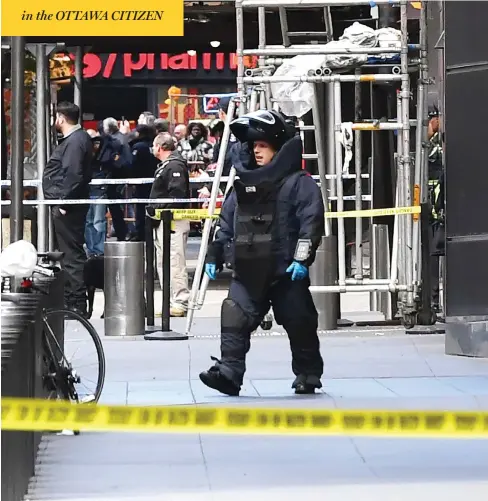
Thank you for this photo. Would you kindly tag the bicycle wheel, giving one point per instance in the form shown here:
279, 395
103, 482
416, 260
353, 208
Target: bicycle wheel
65, 376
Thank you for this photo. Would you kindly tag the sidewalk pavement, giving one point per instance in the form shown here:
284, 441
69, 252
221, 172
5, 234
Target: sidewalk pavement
364, 368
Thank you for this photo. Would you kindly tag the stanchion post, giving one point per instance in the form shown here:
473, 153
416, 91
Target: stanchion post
149, 273
166, 334
166, 285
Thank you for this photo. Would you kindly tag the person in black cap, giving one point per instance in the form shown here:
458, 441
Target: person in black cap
436, 198
272, 221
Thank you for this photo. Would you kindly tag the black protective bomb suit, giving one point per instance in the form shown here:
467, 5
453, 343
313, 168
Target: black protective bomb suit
267, 212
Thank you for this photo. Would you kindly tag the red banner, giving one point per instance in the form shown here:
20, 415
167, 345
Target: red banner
103, 66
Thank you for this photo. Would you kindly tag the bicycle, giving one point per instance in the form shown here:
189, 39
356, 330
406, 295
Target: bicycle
61, 378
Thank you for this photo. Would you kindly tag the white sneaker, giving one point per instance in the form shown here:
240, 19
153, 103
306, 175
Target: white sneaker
175, 311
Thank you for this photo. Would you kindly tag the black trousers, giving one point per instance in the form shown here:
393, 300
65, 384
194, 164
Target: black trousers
437, 249
293, 308
70, 237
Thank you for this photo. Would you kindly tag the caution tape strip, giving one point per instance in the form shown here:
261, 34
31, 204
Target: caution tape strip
190, 214
149, 180
115, 201
198, 214
123, 201
46, 415
374, 212
204, 214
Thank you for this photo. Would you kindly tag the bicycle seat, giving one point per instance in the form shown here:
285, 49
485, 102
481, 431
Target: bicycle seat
51, 256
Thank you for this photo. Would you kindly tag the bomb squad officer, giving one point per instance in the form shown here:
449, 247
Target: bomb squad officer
272, 221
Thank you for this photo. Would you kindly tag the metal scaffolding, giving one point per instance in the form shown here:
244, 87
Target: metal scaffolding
254, 91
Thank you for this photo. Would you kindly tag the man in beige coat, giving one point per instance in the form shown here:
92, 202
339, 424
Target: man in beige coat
171, 180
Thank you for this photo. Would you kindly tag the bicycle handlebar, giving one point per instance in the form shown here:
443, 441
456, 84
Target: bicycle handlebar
55, 257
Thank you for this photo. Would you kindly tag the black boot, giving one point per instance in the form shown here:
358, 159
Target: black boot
306, 385
214, 379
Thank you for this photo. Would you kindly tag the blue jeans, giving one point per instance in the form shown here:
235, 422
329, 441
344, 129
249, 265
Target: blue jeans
96, 228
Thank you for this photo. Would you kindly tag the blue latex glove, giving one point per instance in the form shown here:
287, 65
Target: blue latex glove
211, 271
298, 271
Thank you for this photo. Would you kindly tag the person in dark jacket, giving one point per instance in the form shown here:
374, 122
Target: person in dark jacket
66, 177
172, 180
436, 198
107, 162
272, 222
110, 127
144, 164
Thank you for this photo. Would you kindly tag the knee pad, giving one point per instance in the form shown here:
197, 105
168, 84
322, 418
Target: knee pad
233, 319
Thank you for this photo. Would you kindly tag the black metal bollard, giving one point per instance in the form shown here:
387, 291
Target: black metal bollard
166, 334
166, 285
149, 272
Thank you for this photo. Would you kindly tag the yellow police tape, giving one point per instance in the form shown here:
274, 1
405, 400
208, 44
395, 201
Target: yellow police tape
374, 212
190, 214
44, 415
198, 214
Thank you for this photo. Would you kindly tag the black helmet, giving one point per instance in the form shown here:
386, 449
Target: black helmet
433, 111
263, 125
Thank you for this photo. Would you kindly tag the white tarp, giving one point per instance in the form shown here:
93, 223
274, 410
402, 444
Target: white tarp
295, 98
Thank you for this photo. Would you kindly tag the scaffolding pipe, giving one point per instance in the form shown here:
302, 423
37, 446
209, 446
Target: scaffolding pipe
41, 70
400, 200
421, 141
367, 126
240, 56
341, 238
410, 305
266, 95
395, 242
357, 288
331, 174
262, 99
211, 209
17, 140
321, 79
324, 49
253, 100
206, 280
283, 26
261, 34
329, 27
358, 187
418, 188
